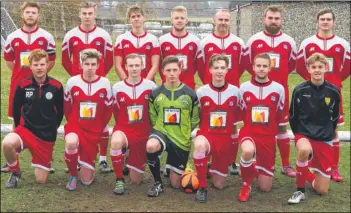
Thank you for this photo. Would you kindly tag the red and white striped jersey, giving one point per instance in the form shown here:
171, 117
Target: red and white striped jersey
230, 45
282, 50
88, 104
219, 108
76, 40
131, 106
185, 48
262, 106
145, 45
18, 46
337, 51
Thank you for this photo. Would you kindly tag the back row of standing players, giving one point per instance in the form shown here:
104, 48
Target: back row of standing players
193, 54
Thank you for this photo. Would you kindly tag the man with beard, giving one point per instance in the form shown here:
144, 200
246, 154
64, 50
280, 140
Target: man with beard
88, 35
182, 44
18, 46
337, 51
221, 41
281, 49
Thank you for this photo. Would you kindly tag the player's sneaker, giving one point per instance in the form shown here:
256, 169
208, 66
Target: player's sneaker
201, 195
335, 176
104, 167
78, 168
288, 171
119, 188
297, 197
72, 183
5, 169
155, 190
233, 169
13, 180
244, 193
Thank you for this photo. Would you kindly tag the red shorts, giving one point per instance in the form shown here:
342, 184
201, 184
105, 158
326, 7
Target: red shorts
265, 148
321, 158
341, 119
220, 146
88, 145
137, 149
41, 150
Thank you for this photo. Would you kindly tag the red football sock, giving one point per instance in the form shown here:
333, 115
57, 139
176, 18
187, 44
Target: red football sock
14, 167
103, 144
234, 146
301, 173
248, 171
336, 153
200, 162
117, 159
71, 158
283, 142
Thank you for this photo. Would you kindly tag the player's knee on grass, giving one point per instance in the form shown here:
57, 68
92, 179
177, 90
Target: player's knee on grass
10, 142
321, 184
86, 175
41, 175
247, 150
304, 149
153, 145
72, 141
200, 144
218, 181
135, 177
265, 182
174, 179
118, 140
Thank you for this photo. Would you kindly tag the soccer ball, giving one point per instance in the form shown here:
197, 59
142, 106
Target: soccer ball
189, 182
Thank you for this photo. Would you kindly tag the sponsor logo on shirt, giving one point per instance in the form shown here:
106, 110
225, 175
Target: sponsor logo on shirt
98, 43
29, 94
306, 95
273, 98
168, 48
235, 48
207, 103
159, 99
210, 49
121, 100
148, 47
75, 43
285, 46
16, 44
184, 100
191, 47
311, 49
231, 103
337, 49
40, 42
260, 46
126, 46
76, 93
101, 95
248, 98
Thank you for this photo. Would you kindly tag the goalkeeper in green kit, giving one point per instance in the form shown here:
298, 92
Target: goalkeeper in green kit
174, 114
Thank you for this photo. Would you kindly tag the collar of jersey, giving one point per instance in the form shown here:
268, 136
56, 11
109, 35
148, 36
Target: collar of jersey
87, 31
172, 34
46, 80
221, 37
223, 88
331, 37
131, 32
270, 35
254, 82
315, 86
181, 85
133, 85
36, 29
81, 76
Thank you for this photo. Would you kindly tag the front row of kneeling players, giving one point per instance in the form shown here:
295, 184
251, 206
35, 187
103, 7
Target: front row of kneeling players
151, 120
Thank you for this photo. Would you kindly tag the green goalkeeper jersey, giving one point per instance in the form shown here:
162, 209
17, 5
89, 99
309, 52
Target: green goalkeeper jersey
175, 113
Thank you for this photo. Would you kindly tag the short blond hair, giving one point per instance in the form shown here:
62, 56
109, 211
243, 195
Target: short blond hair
317, 57
274, 9
171, 59
325, 11
263, 56
87, 4
90, 53
133, 56
180, 9
134, 9
30, 4
218, 57
37, 54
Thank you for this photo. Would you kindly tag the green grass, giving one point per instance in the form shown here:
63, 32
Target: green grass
98, 197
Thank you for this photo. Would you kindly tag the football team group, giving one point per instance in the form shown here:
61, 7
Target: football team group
150, 120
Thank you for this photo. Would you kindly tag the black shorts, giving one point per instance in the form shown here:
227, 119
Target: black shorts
177, 158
